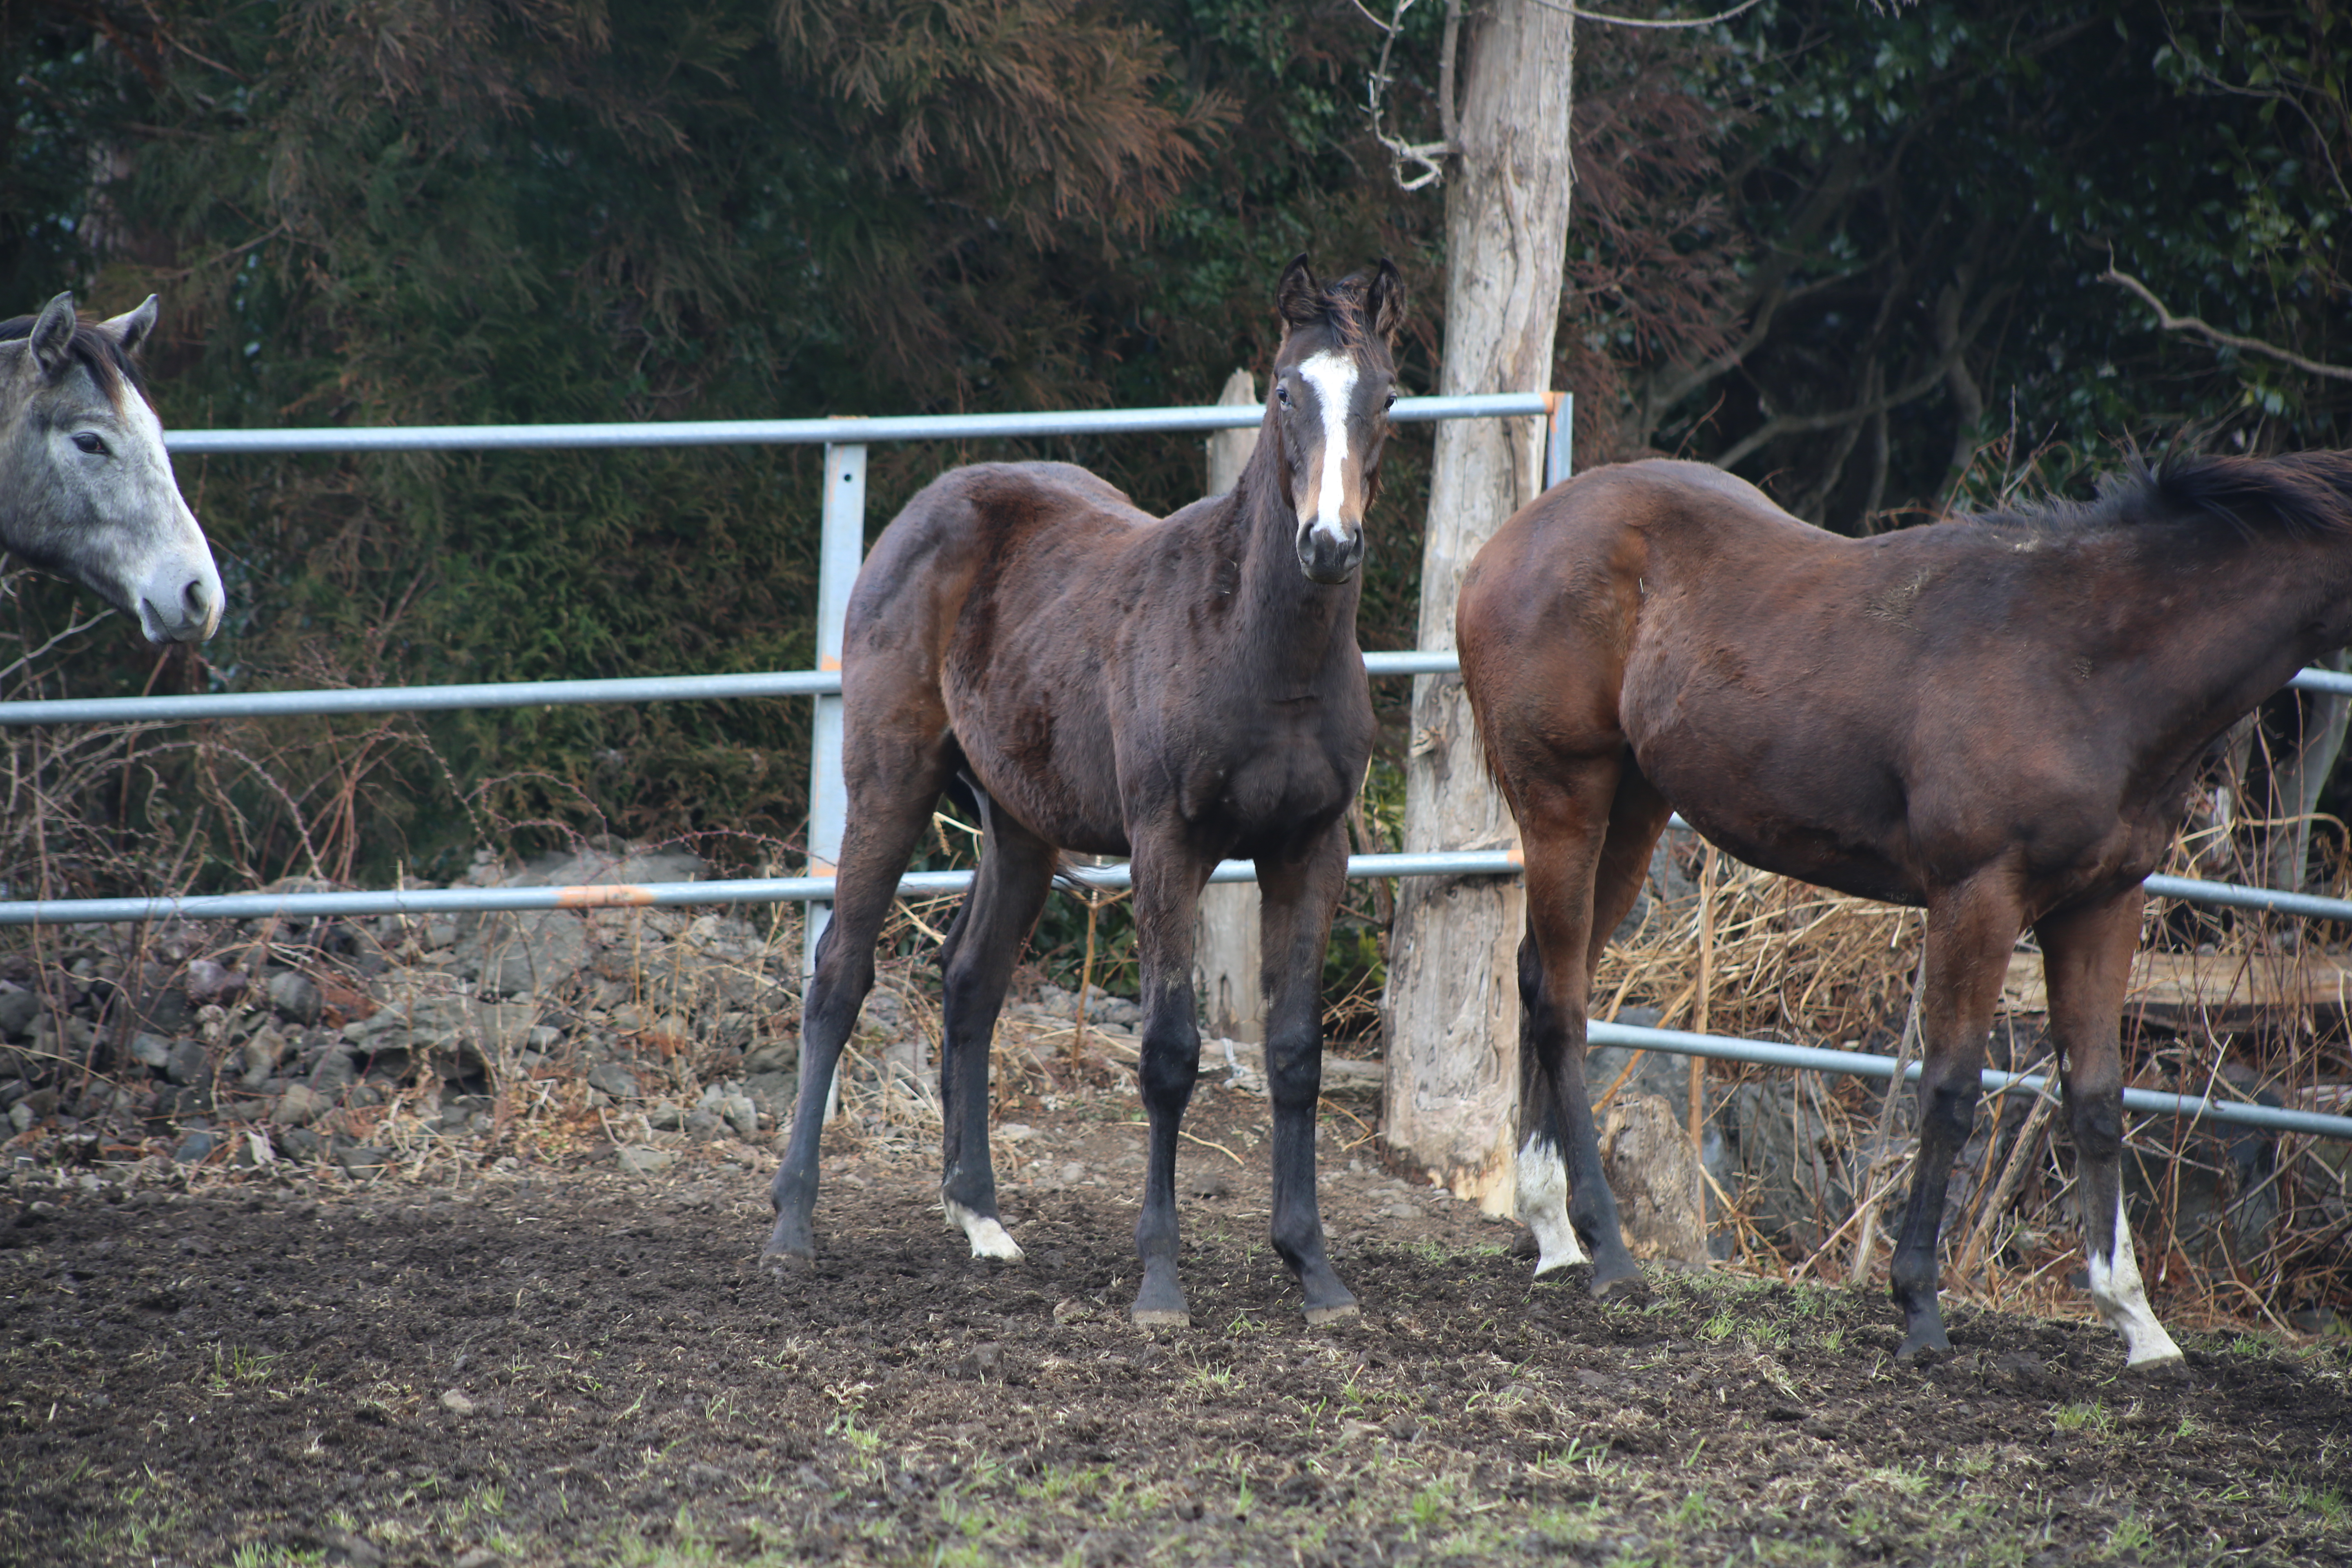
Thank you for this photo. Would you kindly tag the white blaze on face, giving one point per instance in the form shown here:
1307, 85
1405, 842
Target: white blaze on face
2116, 1290
1542, 1181
1333, 376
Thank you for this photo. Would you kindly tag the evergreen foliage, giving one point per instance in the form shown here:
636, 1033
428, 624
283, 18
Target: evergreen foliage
1843, 248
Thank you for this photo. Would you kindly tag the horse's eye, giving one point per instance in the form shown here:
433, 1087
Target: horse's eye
1282, 395
90, 444
1391, 402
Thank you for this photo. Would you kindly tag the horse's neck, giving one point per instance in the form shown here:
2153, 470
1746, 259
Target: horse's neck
2229, 623
1279, 605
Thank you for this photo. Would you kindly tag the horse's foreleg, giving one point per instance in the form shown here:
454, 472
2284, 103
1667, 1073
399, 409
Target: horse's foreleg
2086, 963
880, 835
1016, 870
1563, 826
1299, 899
1168, 882
1970, 930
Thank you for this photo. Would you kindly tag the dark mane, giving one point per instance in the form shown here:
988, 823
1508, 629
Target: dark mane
1343, 306
2298, 494
98, 352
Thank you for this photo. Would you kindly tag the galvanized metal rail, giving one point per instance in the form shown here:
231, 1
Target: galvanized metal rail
1859, 1064
843, 542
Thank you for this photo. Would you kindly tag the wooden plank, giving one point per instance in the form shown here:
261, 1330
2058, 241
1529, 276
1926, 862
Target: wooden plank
2190, 983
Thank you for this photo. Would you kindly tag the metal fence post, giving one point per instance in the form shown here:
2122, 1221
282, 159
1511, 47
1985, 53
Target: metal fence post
839, 555
1559, 431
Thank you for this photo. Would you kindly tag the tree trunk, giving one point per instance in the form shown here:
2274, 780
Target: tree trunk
1452, 1003
1225, 957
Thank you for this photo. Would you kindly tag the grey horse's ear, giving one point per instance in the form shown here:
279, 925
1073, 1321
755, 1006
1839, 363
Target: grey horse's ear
51, 339
132, 328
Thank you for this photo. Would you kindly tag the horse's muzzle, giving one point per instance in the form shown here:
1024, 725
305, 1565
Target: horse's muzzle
1329, 560
183, 605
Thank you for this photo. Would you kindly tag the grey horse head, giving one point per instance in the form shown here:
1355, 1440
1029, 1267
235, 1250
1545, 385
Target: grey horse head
86, 488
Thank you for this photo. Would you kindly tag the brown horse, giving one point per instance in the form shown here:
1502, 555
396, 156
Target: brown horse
1998, 719
1177, 690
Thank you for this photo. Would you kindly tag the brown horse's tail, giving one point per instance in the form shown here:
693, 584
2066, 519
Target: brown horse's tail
2300, 493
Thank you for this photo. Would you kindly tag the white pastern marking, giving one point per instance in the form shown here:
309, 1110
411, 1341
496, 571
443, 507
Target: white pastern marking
1334, 377
2116, 1290
987, 1238
1541, 1183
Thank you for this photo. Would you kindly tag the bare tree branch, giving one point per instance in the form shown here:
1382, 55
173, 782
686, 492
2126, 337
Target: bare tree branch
1781, 424
1427, 154
1583, 16
2172, 323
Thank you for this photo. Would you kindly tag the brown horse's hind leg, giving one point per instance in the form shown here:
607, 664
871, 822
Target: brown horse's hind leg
1168, 877
1299, 899
1016, 871
1637, 814
1970, 930
1565, 824
892, 788
2086, 957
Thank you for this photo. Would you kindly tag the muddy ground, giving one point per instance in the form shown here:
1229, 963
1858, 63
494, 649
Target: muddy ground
556, 1364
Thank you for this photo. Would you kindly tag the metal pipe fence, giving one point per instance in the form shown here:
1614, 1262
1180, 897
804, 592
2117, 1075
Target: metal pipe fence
840, 555
1861, 1064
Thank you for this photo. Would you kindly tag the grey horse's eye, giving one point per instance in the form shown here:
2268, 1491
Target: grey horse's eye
1282, 395
1391, 402
90, 444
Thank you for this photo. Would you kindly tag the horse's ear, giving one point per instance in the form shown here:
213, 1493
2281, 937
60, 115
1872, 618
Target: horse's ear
1384, 301
1298, 296
131, 328
51, 339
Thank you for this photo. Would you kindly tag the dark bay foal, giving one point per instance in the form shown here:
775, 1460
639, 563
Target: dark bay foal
1180, 691
1998, 719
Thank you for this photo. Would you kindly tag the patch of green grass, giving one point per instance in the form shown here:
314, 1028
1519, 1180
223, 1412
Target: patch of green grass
2329, 1505
1695, 1512
2128, 1538
2083, 1416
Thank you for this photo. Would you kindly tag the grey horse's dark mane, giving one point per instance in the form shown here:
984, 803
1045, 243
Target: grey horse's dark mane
100, 352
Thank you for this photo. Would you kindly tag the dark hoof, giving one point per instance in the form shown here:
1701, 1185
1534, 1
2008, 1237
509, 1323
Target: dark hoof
1925, 1345
1339, 1313
790, 1249
1616, 1285
788, 1265
1160, 1304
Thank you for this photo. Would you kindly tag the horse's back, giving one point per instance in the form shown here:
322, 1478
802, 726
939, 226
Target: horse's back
989, 530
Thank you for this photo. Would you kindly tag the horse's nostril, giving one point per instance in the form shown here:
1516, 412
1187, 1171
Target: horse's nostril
199, 595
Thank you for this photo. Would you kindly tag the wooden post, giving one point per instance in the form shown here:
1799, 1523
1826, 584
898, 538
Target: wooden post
1453, 998
1226, 942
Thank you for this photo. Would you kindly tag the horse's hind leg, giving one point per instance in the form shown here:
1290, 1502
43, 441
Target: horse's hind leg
1566, 818
2087, 961
892, 788
1637, 814
1970, 930
1016, 870
1299, 900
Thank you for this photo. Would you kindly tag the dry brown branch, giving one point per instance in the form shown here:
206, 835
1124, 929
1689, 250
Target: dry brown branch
2172, 323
